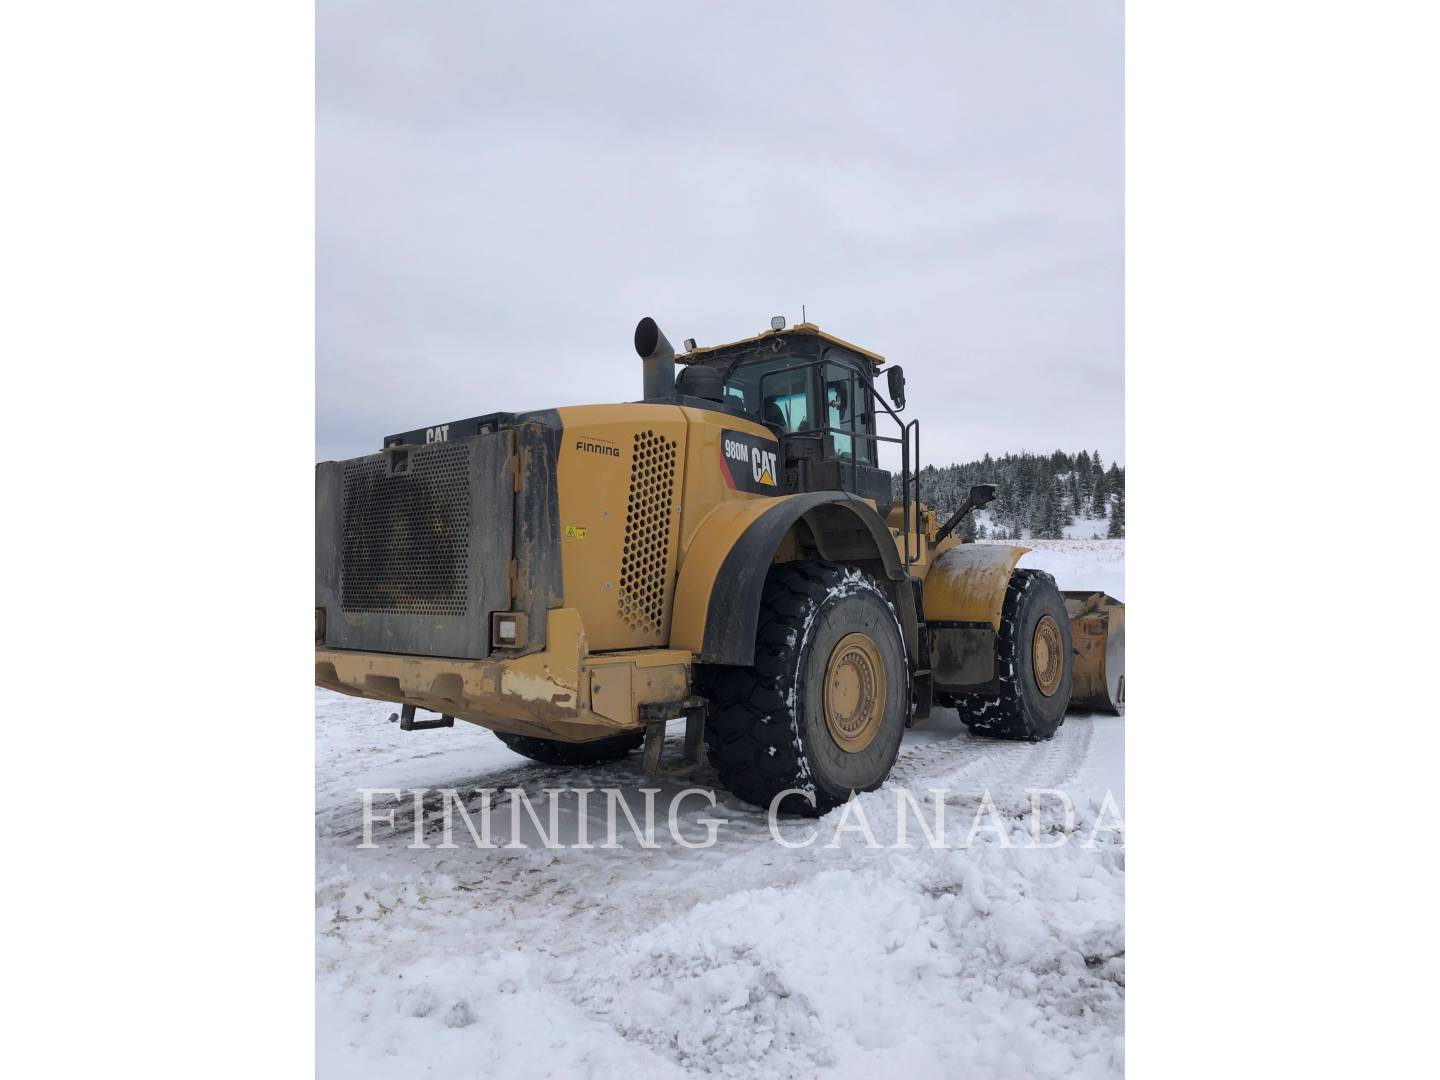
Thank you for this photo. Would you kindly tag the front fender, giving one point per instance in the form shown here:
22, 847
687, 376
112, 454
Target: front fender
967, 583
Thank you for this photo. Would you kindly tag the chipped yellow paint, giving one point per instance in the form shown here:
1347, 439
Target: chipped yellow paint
536, 688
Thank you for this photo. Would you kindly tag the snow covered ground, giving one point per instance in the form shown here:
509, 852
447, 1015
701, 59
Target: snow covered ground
996, 957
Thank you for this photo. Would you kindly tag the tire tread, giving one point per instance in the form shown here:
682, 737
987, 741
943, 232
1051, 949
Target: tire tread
1002, 716
752, 735
555, 752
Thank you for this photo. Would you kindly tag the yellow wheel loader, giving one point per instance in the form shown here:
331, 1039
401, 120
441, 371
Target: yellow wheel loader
727, 550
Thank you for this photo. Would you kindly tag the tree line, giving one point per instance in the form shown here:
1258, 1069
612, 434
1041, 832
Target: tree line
1036, 495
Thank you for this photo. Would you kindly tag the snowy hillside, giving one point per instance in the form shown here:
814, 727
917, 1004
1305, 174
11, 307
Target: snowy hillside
745, 958
1052, 496
1079, 528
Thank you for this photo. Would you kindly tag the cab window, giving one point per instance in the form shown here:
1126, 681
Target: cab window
785, 400
847, 413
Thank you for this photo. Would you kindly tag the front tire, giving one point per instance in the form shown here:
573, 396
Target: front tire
823, 707
1034, 664
554, 752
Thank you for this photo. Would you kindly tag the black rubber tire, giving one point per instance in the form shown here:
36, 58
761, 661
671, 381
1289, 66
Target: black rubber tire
1019, 710
765, 730
554, 752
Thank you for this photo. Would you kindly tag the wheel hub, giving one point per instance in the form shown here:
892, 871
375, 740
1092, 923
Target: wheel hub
854, 692
1047, 655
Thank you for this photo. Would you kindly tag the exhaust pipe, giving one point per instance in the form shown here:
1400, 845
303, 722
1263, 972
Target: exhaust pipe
659, 357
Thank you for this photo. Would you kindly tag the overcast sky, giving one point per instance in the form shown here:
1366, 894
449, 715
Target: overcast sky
504, 189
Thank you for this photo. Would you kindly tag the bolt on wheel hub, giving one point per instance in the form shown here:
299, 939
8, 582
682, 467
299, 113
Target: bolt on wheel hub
854, 693
1047, 655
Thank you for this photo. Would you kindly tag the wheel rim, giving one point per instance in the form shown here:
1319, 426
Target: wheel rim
854, 693
1047, 656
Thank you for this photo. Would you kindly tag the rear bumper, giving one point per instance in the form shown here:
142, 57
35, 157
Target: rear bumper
560, 693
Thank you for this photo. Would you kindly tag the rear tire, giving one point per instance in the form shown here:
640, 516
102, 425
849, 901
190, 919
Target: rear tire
1033, 654
823, 707
554, 752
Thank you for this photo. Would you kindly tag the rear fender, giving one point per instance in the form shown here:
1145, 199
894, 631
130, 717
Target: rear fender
722, 578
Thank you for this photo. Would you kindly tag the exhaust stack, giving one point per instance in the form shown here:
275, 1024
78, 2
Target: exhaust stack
659, 357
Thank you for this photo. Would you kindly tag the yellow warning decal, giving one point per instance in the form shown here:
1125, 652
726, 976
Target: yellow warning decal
574, 532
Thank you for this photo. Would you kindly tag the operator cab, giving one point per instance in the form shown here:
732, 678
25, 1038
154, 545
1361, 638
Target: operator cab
817, 393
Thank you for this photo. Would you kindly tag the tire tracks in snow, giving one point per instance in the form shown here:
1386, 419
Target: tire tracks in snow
964, 762
982, 763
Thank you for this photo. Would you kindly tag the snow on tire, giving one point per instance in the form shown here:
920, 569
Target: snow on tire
823, 707
1034, 664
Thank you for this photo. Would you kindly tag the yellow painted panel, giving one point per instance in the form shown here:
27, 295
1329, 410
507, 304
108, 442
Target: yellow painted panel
620, 473
967, 583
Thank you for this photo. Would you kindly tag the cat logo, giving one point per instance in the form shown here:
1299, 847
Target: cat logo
762, 463
749, 463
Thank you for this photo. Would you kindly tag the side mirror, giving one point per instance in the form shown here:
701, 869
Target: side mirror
895, 379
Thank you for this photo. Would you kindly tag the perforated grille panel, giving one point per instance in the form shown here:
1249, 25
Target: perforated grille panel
406, 540
645, 559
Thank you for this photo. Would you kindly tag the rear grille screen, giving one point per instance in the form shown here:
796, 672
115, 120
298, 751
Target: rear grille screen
645, 558
407, 536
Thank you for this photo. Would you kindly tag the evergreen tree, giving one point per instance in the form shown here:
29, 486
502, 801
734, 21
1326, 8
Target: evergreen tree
1024, 488
1045, 520
1100, 496
1031, 490
1117, 517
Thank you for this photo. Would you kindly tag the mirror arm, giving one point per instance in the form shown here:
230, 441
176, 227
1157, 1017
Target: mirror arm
979, 497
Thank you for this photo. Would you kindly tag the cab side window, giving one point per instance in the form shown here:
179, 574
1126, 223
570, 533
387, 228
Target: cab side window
785, 400
847, 411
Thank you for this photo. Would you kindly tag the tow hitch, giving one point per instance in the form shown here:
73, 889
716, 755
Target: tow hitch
406, 716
